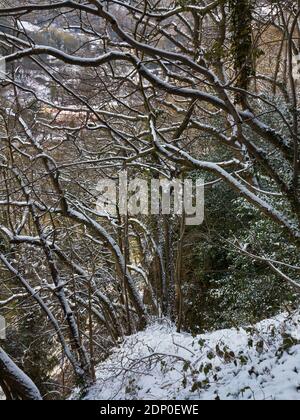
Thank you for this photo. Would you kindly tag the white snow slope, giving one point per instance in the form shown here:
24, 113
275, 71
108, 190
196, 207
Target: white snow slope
257, 363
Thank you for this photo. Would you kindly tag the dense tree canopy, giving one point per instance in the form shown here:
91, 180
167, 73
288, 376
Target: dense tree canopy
168, 89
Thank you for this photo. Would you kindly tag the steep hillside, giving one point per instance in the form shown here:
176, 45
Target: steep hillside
257, 363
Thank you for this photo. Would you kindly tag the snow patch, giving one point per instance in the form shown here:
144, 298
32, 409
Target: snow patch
255, 363
27, 26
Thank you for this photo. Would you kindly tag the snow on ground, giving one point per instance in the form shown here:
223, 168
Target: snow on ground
257, 363
27, 26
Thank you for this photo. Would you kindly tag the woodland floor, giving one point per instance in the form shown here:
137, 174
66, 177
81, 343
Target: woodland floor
258, 363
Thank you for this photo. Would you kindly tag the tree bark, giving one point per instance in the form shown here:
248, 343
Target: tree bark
14, 382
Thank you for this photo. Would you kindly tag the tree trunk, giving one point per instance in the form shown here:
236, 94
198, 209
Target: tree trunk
14, 382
